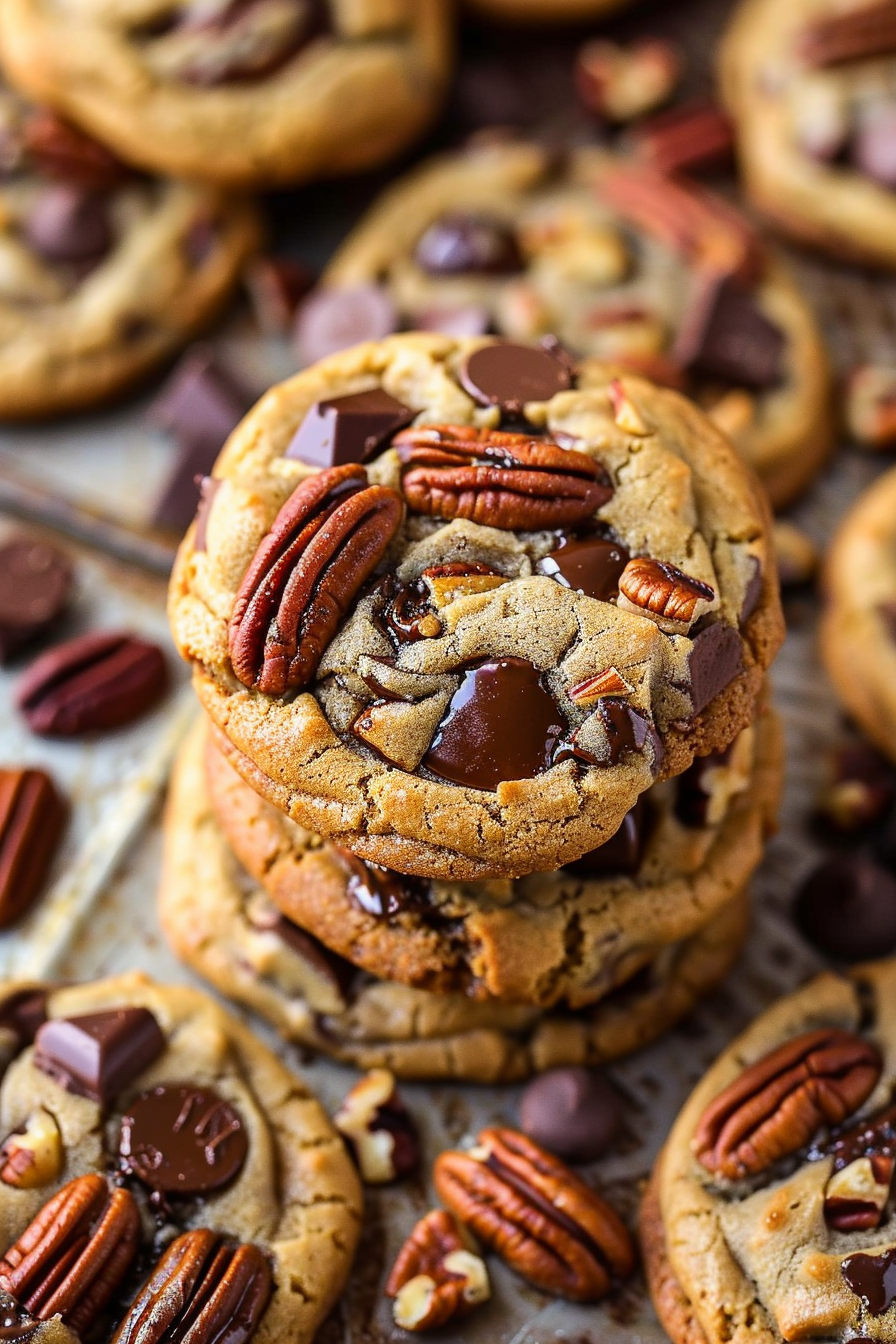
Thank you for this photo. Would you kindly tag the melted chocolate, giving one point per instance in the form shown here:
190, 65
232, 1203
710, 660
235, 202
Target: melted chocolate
873, 1279
182, 1140
404, 605
621, 855
380, 891
590, 565
692, 797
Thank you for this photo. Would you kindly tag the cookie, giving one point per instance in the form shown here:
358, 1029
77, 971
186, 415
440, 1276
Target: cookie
105, 275
226, 928
276, 92
769, 1217
858, 625
573, 573
229, 1177
810, 90
623, 265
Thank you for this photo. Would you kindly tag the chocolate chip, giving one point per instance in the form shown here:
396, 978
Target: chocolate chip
591, 565
466, 243
23, 1012
348, 429
873, 1279
333, 319
621, 855
35, 585
90, 683
573, 1112
32, 816
68, 223
716, 658
380, 891
508, 375
873, 147
183, 1140
502, 723
208, 488
847, 908
725, 335
98, 1055
466, 321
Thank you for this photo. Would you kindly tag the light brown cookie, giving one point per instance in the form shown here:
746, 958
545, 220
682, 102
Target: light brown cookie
280, 91
207, 1129
347, 679
622, 265
227, 928
809, 86
770, 1216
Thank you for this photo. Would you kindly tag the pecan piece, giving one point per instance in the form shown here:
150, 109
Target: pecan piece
324, 544
778, 1103
663, 592
535, 1213
71, 1259
201, 1289
32, 1156
854, 35
690, 137
436, 1277
379, 1129
511, 481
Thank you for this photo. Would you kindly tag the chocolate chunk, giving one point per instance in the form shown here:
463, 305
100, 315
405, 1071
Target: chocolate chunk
873, 1279
508, 375
335, 970
502, 723
35, 586
348, 429
847, 908
591, 565
466, 243
91, 683
873, 147
69, 224
572, 1112
380, 891
208, 488
725, 335
333, 319
16, 1325
181, 494
752, 593
183, 1140
692, 796
23, 1012
621, 855
276, 287
98, 1055
32, 816
627, 730
470, 320
716, 658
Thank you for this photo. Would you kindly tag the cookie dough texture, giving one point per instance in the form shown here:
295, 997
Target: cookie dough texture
353, 96
769, 94
681, 494
218, 919
580, 261
858, 627
760, 1265
297, 1195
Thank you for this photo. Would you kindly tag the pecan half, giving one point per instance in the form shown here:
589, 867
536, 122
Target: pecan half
71, 1259
436, 1276
512, 481
777, 1104
690, 137
535, 1213
663, 592
201, 1289
324, 544
854, 35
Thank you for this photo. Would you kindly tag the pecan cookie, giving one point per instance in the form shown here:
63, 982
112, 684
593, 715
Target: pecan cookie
158, 1162
469, 657
104, 274
226, 927
274, 92
626, 266
811, 87
858, 626
770, 1215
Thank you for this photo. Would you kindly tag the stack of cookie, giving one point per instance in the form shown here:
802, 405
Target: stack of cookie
486, 763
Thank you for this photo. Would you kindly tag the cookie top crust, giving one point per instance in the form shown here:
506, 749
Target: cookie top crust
625, 266
236, 95
201, 1126
774, 1185
449, 617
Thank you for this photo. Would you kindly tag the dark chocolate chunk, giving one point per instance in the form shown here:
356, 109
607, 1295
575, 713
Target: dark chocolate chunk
98, 1055
35, 586
466, 243
717, 657
621, 855
752, 593
23, 1012
201, 400
380, 891
470, 320
71, 224
692, 796
181, 494
847, 908
333, 319
32, 816
183, 1140
502, 723
508, 375
92, 683
404, 607
873, 146
339, 973
590, 565
724, 334
873, 1279
627, 731
276, 287
573, 1112
208, 488
348, 429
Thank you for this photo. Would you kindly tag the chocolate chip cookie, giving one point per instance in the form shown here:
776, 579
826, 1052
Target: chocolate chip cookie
571, 574
226, 927
104, 274
811, 89
274, 92
158, 1163
858, 626
626, 266
770, 1216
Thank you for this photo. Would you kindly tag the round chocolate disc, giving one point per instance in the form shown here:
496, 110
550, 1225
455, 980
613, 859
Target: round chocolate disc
509, 375
846, 908
183, 1140
573, 1112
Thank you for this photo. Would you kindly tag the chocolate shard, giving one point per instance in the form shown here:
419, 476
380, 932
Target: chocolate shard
724, 334
717, 657
98, 1055
348, 429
